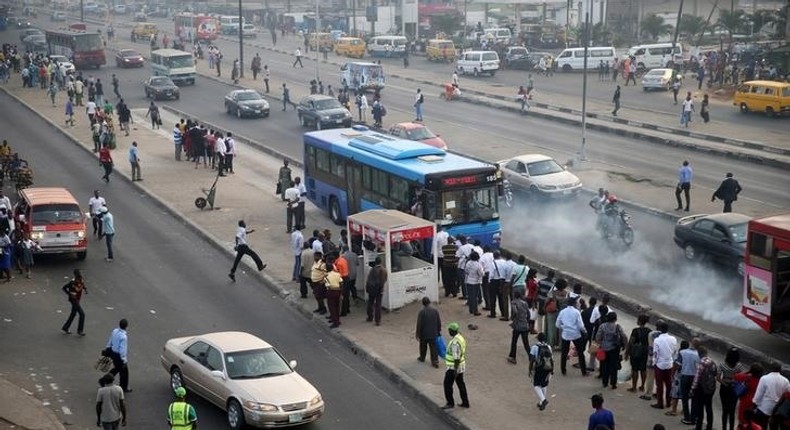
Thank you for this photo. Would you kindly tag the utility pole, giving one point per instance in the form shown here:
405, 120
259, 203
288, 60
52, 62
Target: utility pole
677, 32
82, 10
317, 41
241, 42
586, 38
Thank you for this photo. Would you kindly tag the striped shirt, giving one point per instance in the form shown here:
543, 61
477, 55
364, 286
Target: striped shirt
177, 135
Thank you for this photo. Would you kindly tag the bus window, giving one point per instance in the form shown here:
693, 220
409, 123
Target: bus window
760, 250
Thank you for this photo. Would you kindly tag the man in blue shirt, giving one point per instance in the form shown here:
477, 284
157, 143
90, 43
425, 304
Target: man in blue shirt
684, 185
108, 230
601, 417
134, 160
117, 350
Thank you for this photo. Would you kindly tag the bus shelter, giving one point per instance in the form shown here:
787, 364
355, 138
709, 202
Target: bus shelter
403, 242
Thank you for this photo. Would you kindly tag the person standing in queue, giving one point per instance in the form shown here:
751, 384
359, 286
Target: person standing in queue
429, 327
455, 359
75, 289
728, 192
377, 279
334, 290
318, 273
118, 350
284, 179
180, 414
291, 199
302, 199
242, 249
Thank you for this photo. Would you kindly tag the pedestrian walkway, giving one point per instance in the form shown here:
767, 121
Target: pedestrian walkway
19, 409
500, 393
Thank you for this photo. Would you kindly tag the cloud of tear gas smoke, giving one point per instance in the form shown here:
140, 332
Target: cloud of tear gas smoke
566, 232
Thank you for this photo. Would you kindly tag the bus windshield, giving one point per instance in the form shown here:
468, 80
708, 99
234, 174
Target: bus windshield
56, 214
88, 42
181, 61
469, 205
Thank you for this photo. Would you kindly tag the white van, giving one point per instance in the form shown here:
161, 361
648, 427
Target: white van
248, 31
573, 58
229, 24
651, 56
477, 62
179, 66
502, 35
387, 46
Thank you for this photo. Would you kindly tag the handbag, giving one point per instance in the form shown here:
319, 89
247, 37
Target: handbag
593, 349
551, 306
441, 347
103, 364
740, 388
600, 354
279, 188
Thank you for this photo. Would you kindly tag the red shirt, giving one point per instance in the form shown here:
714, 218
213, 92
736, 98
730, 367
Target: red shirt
105, 156
532, 289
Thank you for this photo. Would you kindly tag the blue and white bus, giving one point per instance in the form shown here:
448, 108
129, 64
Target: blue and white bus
350, 170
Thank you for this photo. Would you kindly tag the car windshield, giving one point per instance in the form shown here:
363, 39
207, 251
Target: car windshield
469, 205
518, 52
420, 133
545, 167
62, 213
327, 104
254, 364
129, 53
655, 73
738, 232
58, 58
161, 82
248, 95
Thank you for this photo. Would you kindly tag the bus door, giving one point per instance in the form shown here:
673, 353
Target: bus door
354, 187
780, 314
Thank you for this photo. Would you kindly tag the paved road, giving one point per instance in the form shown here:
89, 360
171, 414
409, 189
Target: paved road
564, 89
168, 282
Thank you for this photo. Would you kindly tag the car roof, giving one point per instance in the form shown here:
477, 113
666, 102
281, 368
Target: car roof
48, 195
410, 125
531, 158
318, 97
231, 341
129, 50
728, 219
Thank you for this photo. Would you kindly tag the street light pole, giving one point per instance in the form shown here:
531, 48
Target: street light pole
82, 10
582, 151
241, 42
317, 41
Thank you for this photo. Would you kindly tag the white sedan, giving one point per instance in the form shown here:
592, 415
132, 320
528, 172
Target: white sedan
659, 79
540, 176
244, 376
66, 66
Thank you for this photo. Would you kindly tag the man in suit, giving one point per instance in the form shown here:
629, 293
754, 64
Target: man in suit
728, 192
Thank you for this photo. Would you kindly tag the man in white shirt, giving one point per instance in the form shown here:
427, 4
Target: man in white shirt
487, 260
220, 148
242, 248
770, 390
90, 108
5, 201
318, 243
299, 216
96, 203
230, 152
297, 246
464, 250
688, 108
291, 206
570, 323
664, 349
496, 280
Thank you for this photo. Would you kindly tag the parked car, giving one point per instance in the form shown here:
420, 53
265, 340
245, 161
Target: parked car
140, 17
158, 87
58, 16
540, 176
322, 111
658, 79
418, 132
244, 376
126, 58
246, 103
66, 66
29, 32
721, 237
248, 31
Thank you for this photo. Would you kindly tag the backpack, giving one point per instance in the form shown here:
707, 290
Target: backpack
544, 361
422, 98
227, 145
638, 342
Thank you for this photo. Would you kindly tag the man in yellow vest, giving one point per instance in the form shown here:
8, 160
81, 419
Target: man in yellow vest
180, 414
455, 358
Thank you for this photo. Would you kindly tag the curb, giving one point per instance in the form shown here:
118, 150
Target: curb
376, 362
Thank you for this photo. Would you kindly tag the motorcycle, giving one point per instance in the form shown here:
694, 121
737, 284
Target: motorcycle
620, 227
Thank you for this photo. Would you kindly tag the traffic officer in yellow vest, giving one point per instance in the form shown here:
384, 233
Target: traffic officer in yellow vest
455, 358
180, 414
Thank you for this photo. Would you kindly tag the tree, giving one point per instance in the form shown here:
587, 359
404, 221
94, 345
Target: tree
601, 35
447, 24
762, 17
732, 21
691, 25
654, 26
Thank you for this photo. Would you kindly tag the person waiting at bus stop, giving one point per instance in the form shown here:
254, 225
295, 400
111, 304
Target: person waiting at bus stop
180, 414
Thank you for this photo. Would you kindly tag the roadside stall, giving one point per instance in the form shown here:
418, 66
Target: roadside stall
403, 242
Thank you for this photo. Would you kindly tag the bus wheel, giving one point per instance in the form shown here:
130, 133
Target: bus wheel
81, 255
334, 211
744, 108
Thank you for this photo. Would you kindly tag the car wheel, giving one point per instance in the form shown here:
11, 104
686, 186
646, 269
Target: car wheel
238, 112
235, 415
475, 72
81, 255
644, 89
302, 121
533, 193
567, 68
147, 95
769, 112
690, 252
628, 236
461, 70
493, 72
334, 211
176, 378
744, 108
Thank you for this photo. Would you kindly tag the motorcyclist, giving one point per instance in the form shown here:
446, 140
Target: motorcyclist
611, 211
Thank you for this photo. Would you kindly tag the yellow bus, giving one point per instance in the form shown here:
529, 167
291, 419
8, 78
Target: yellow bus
350, 47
